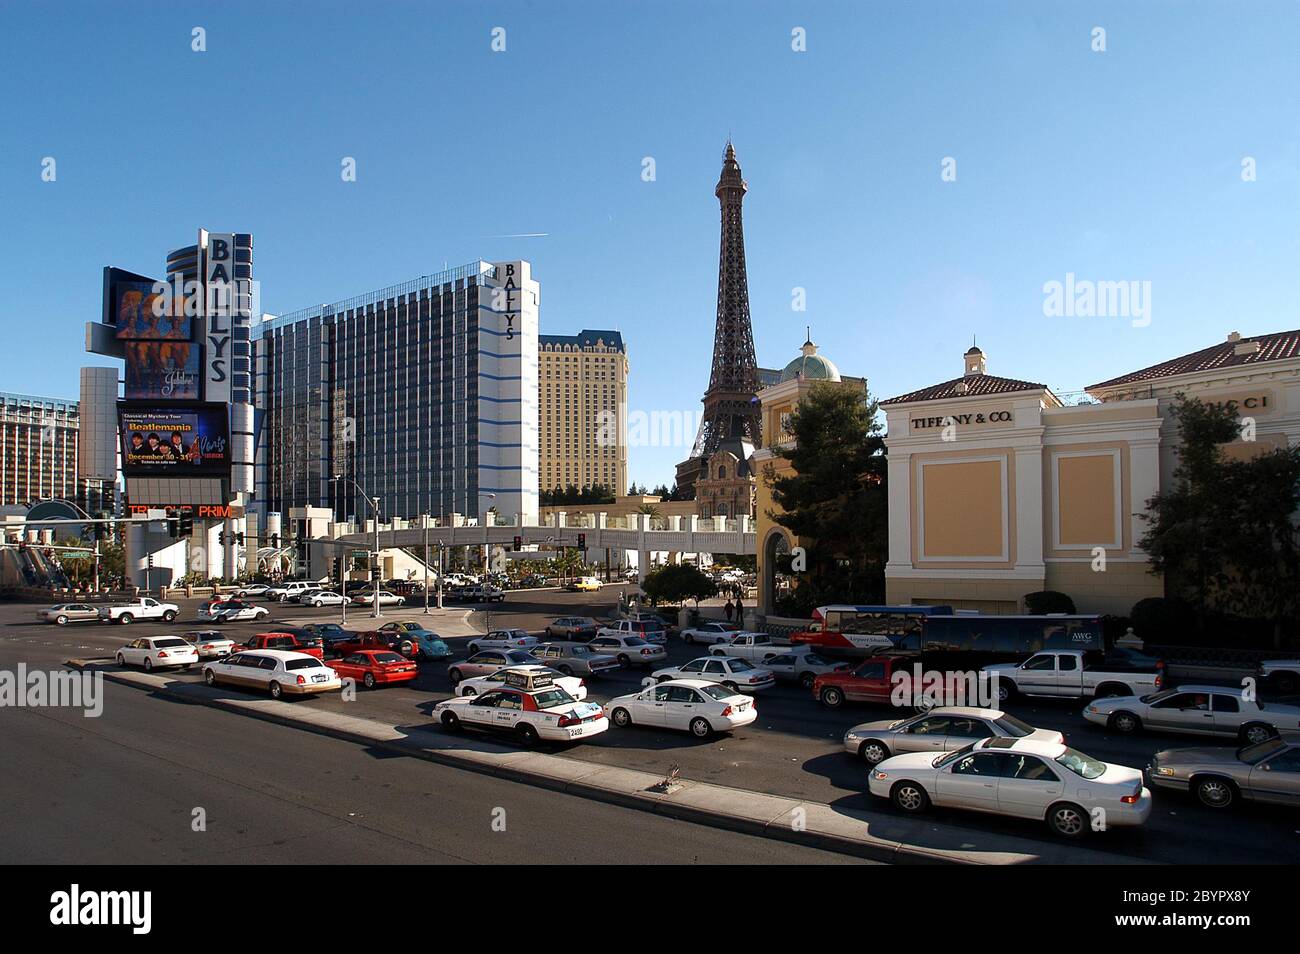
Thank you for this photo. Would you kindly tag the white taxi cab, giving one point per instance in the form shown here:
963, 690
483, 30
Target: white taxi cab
528, 705
277, 671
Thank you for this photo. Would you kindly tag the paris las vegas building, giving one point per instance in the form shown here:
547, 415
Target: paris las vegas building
1027, 491
424, 394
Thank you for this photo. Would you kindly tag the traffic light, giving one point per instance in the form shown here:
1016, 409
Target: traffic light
519, 543
186, 524
275, 541
100, 530
582, 541
174, 526
221, 538
239, 538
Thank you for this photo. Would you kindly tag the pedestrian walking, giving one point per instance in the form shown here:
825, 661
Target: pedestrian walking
729, 610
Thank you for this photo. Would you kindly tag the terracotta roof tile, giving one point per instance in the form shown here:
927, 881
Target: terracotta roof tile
977, 385
1274, 347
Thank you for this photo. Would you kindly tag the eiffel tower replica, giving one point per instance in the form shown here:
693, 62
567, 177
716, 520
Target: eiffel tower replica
731, 414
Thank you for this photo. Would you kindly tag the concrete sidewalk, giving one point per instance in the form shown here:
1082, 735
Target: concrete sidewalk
881, 837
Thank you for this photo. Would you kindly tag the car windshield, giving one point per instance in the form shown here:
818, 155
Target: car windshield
520, 657
166, 643
941, 760
812, 659
1081, 764
1261, 750
716, 692
1157, 696
635, 641
387, 658
1013, 727
295, 664
550, 698
740, 665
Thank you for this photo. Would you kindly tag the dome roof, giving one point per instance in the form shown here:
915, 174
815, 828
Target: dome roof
810, 365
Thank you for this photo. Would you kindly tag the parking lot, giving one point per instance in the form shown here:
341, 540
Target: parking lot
793, 749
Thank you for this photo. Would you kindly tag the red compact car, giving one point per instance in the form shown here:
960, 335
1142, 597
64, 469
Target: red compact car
374, 667
870, 681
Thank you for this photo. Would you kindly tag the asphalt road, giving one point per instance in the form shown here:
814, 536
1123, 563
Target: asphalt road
124, 788
793, 749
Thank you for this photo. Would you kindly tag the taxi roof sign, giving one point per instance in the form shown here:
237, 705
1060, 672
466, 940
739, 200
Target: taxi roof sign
522, 679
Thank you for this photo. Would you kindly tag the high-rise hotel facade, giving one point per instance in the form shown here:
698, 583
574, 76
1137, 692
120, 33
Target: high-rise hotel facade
582, 401
424, 394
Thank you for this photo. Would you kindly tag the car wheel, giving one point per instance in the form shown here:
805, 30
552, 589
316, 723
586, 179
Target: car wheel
1214, 792
688, 639
701, 729
527, 734
169, 616
121, 660
209, 677
125, 619
624, 660
148, 664
567, 670
473, 648
368, 680
1067, 820
1286, 682
317, 603
1111, 691
1126, 723
731, 687
909, 797
61, 620
621, 717
405, 649
470, 691
187, 667
275, 689
873, 751
450, 721
454, 675
1006, 690
832, 698
807, 680
1256, 733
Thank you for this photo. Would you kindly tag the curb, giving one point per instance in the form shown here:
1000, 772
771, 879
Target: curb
843, 831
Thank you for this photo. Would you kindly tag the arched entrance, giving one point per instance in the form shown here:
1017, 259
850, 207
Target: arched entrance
772, 582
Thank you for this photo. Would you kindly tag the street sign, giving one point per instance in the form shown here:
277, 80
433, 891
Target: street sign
360, 554
78, 554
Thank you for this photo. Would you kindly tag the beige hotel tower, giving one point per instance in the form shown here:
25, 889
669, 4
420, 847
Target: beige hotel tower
582, 410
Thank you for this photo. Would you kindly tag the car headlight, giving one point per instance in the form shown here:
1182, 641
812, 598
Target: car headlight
1161, 770
880, 776
851, 737
1092, 709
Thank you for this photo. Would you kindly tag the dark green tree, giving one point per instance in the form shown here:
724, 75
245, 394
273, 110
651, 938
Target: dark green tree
1224, 534
835, 501
676, 583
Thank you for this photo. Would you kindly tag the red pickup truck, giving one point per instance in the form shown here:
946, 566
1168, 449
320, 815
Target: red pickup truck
371, 640
282, 641
870, 681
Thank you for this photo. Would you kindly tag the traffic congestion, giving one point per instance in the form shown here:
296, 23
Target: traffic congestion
1075, 744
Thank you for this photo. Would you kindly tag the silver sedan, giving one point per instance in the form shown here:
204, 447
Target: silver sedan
66, 613
1266, 772
943, 729
488, 662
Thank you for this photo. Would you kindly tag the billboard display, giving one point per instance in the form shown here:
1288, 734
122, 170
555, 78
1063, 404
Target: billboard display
174, 440
138, 312
162, 369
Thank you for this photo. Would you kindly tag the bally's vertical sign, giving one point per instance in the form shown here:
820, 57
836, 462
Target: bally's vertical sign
217, 250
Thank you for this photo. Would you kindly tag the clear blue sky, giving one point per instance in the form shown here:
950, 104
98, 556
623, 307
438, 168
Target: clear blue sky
1123, 165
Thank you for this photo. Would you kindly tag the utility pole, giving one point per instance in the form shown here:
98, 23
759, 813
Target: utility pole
425, 518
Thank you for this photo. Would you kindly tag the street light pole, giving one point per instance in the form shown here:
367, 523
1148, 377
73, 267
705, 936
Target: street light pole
425, 518
374, 560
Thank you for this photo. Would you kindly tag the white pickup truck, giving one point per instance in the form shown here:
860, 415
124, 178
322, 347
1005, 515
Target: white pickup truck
755, 647
143, 608
1077, 674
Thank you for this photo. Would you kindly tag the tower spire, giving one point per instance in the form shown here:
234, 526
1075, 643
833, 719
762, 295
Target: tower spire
729, 407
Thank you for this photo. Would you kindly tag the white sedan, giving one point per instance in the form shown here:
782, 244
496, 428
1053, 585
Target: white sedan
210, 643
253, 589
385, 599
232, 611
738, 675
690, 705
319, 598
1024, 778
158, 652
570, 684
502, 639
709, 633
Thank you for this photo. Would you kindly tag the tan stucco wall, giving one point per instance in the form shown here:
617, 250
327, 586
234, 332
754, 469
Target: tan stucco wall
1113, 591
965, 509
1085, 499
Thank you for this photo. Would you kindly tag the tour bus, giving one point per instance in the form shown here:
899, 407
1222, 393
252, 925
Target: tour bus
966, 642
843, 630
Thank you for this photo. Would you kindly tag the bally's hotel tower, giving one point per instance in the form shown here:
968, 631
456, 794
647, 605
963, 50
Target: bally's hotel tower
424, 394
